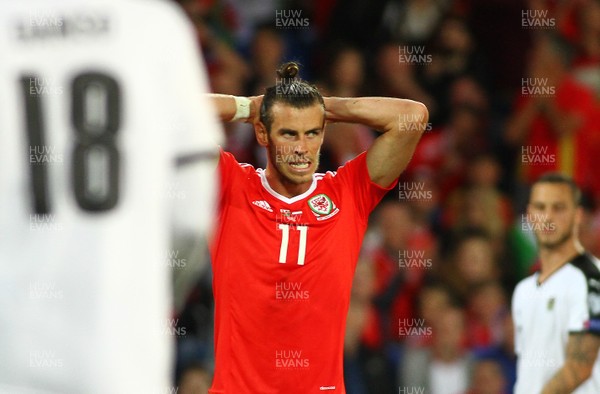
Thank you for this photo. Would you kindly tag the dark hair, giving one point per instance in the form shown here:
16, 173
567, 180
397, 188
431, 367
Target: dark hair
560, 179
288, 90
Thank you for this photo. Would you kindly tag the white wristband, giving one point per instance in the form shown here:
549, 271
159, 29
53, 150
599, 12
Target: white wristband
242, 108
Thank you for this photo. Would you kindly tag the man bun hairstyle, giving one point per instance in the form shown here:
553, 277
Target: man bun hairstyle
290, 90
288, 70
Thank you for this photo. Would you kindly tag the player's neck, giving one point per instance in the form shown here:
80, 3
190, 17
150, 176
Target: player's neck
552, 259
284, 187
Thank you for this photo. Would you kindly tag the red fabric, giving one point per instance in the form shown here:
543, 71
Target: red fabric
387, 267
480, 335
258, 335
573, 98
431, 156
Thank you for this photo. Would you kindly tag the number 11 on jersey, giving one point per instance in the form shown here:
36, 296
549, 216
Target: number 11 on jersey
285, 238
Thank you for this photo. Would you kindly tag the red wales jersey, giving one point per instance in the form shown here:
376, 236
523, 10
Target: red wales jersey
283, 271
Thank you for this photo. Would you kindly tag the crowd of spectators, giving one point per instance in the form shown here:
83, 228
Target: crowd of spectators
512, 89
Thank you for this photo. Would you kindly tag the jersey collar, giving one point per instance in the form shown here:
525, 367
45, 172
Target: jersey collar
287, 200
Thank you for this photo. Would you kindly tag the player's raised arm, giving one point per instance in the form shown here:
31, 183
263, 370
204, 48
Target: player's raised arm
234, 108
582, 350
402, 123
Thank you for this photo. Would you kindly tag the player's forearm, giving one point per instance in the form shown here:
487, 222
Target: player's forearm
227, 107
380, 113
567, 379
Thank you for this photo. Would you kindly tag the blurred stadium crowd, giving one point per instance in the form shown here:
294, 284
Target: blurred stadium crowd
512, 89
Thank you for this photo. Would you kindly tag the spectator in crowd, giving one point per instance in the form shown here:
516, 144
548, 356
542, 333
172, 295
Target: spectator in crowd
362, 344
486, 308
195, 380
555, 116
434, 299
227, 69
487, 378
479, 203
345, 71
445, 367
344, 77
447, 152
413, 21
426, 209
400, 260
503, 353
396, 75
586, 65
467, 90
471, 263
266, 53
453, 56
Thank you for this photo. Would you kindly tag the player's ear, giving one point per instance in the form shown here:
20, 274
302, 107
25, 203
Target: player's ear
261, 133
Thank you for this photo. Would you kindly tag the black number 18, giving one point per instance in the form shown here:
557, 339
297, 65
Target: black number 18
95, 116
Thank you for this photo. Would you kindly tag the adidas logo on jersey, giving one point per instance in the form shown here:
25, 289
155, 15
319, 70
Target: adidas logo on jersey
263, 204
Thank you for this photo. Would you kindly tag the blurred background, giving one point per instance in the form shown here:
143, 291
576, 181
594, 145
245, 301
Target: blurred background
512, 89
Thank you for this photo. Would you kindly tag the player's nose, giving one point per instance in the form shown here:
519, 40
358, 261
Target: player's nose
300, 148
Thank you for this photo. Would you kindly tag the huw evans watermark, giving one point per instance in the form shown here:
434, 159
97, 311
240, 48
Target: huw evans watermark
413, 259
537, 156
413, 327
413, 123
537, 222
537, 19
291, 359
290, 291
537, 87
291, 19
413, 54
413, 191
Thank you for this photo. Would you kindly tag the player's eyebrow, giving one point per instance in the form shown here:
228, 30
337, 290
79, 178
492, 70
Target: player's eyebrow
538, 204
548, 203
286, 130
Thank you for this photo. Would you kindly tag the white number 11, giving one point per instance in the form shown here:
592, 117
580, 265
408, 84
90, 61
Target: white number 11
285, 238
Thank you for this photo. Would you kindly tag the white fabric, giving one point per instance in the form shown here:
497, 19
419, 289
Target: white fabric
85, 297
543, 317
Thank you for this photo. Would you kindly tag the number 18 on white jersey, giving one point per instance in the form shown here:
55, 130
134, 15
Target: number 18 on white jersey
107, 149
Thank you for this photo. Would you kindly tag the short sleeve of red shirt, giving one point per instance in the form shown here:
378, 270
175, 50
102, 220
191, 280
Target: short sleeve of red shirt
229, 170
367, 193
227, 164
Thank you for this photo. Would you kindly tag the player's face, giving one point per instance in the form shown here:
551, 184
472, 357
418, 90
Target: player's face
295, 140
553, 214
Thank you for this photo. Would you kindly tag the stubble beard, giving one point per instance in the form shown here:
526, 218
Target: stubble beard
553, 245
282, 166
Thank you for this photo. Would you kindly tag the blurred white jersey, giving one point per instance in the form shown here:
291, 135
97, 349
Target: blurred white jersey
105, 134
545, 315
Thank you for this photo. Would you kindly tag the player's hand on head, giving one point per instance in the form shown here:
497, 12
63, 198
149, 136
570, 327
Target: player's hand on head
256, 103
330, 115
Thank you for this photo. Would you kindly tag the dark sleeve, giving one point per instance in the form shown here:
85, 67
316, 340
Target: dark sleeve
584, 311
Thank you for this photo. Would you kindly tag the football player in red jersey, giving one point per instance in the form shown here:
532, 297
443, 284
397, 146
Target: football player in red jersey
287, 238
